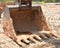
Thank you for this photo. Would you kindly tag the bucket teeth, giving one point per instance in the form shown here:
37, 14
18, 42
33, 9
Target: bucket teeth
43, 36
36, 37
25, 41
20, 43
22, 40
33, 38
47, 35
54, 35
31, 41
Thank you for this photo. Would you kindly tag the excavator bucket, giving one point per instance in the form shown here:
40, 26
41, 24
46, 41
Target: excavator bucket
24, 22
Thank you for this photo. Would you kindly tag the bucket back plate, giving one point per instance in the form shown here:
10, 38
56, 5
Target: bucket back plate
26, 20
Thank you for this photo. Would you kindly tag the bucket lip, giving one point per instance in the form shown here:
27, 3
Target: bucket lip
12, 6
16, 6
